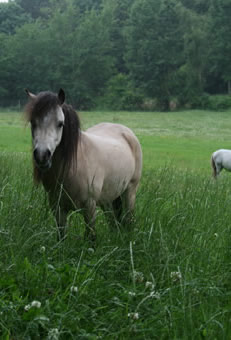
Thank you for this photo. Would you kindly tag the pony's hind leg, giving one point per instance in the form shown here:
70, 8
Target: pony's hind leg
113, 212
216, 167
89, 214
129, 199
217, 171
117, 206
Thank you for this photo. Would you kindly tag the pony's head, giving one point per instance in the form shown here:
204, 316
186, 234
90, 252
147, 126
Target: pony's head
53, 124
47, 120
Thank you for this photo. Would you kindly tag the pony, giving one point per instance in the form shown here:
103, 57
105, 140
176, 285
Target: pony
221, 159
81, 170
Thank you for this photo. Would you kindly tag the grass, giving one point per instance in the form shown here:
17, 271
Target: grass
185, 139
169, 278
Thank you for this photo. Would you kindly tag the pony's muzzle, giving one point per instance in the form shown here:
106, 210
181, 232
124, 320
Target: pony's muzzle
42, 158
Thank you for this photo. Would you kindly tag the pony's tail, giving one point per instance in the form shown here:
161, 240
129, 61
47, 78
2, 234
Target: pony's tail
214, 167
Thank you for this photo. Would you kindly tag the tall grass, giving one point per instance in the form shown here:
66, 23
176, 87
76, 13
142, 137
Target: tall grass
169, 278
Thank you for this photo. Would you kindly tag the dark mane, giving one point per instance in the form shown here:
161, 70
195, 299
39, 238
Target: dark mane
40, 105
68, 147
71, 135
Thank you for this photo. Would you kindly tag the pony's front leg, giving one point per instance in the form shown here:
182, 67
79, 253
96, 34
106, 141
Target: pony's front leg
61, 220
89, 213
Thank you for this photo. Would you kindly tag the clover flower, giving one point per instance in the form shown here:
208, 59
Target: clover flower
74, 289
155, 295
138, 276
35, 304
42, 249
53, 334
176, 276
149, 285
131, 293
134, 316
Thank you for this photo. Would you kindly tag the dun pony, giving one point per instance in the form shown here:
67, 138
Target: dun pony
81, 170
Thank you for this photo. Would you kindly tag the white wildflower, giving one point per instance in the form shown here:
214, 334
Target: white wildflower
36, 304
27, 307
134, 316
50, 266
138, 276
74, 289
53, 334
131, 293
42, 249
91, 250
155, 295
149, 285
176, 276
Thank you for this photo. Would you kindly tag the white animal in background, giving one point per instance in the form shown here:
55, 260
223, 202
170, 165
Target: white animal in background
221, 159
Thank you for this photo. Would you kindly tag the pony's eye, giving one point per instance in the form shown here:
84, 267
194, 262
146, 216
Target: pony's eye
60, 125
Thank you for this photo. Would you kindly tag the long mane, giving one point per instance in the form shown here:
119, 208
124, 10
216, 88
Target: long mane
68, 147
71, 135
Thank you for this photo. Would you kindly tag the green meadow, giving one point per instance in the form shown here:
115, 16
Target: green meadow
167, 278
184, 139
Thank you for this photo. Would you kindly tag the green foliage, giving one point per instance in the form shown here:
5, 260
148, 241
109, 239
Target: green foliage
208, 102
120, 95
163, 47
33, 8
221, 42
12, 16
219, 102
154, 42
196, 47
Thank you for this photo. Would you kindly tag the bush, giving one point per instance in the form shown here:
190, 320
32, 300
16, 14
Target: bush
210, 102
219, 102
120, 95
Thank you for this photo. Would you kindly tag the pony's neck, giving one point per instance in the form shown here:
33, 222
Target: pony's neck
54, 176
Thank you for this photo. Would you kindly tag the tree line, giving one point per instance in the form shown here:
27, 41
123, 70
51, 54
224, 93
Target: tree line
120, 54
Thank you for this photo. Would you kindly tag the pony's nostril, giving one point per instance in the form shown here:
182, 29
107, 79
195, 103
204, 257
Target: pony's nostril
47, 154
42, 157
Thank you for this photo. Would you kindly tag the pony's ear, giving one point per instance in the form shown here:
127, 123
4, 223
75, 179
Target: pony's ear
61, 96
31, 95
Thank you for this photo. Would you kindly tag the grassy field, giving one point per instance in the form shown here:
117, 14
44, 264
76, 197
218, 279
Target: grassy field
185, 139
169, 278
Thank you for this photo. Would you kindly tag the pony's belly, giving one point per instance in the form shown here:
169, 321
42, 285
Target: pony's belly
227, 165
112, 189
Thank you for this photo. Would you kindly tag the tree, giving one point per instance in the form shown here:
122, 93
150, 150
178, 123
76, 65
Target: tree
25, 60
198, 6
32, 7
155, 44
12, 16
70, 50
192, 74
220, 31
115, 16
